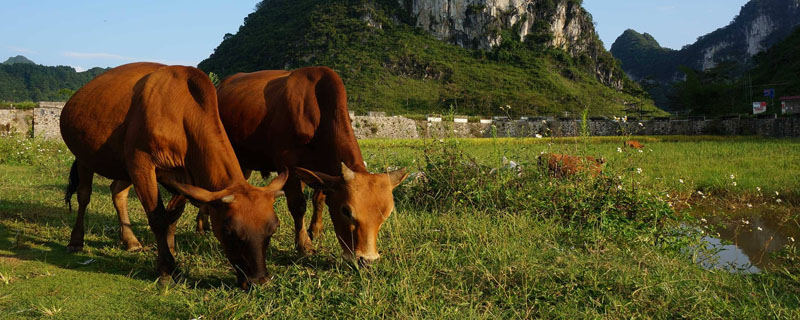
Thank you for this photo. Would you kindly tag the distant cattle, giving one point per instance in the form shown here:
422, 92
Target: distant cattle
299, 119
142, 124
634, 144
563, 165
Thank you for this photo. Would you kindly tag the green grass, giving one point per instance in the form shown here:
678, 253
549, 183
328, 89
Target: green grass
443, 261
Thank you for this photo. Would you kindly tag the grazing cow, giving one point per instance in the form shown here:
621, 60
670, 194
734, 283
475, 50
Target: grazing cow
563, 165
634, 144
299, 119
142, 124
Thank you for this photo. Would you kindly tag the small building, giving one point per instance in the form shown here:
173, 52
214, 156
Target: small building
790, 105
434, 118
486, 121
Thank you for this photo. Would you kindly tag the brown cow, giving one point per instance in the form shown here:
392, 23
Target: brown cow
299, 120
562, 165
146, 123
634, 144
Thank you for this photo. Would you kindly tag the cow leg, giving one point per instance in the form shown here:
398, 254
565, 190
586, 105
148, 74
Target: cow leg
297, 206
162, 222
315, 227
85, 176
119, 195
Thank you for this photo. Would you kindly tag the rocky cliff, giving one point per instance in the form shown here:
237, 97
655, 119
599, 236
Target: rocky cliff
482, 24
759, 25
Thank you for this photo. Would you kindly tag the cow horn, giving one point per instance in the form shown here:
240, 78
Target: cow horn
347, 174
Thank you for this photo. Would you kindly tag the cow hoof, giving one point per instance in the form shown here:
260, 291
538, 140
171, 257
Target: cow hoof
314, 235
133, 247
74, 248
306, 250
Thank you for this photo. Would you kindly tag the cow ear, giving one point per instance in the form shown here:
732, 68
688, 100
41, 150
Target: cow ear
397, 177
199, 195
318, 180
277, 184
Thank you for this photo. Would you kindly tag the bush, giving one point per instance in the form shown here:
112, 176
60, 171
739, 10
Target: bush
451, 179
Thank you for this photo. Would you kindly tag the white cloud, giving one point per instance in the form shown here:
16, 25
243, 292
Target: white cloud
97, 55
78, 68
21, 50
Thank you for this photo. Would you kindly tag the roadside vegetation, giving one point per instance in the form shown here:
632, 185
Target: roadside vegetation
480, 231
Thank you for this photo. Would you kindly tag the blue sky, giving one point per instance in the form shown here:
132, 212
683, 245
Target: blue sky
674, 23
107, 33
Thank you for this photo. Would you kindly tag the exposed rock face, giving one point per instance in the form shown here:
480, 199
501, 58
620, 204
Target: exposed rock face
759, 25
479, 24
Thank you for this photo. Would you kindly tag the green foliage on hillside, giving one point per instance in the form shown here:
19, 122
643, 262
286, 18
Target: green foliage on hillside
33, 82
18, 59
389, 65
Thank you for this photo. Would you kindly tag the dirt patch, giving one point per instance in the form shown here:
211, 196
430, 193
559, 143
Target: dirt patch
9, 261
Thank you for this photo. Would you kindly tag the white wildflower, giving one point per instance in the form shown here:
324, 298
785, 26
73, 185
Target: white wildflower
640, 151
639, 170
734, 183
700, 192
538, 136
791, 239
778, 200
733, 177
641, 124
619, 187
704, 220
680, 180
760, 229
625, 119
619, 149
777, 194
758, 189
750, 206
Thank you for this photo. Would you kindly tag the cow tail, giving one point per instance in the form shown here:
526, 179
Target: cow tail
72, 187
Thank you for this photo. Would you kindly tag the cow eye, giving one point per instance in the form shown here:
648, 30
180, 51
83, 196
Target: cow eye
347, 212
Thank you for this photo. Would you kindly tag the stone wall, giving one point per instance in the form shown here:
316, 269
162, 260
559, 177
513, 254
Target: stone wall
15, 122
384, 127
781, 127
44, 120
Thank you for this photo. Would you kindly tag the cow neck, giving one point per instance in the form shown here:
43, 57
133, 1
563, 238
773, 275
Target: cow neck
211, 161
342, 139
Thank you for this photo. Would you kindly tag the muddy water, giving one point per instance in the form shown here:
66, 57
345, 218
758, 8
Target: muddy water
741, 240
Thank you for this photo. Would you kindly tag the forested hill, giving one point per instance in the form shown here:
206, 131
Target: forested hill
18, 59
22, 81
780, 65
470, 57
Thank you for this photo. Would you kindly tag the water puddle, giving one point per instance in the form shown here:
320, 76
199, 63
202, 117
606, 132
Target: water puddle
742, 240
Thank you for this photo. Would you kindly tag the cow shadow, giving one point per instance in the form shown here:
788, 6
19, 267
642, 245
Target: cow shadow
24, 230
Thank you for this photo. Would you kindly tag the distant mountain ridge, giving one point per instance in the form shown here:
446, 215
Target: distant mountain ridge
436, 56
759, 25
23, 80
18, 59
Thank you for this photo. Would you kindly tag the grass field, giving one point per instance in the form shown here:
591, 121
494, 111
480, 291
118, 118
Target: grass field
468, 242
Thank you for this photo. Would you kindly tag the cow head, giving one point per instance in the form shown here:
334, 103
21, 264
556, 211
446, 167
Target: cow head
243, 220
359, 203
